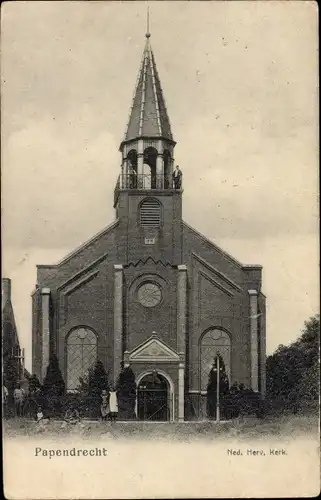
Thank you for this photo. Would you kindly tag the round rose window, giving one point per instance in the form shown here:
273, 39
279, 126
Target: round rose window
149, 295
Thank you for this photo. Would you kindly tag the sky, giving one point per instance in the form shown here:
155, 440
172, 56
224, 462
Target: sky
240, 84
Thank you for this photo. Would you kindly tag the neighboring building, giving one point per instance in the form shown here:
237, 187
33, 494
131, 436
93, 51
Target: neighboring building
13, 370
149, 291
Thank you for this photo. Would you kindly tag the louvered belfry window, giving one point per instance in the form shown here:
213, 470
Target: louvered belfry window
150, 213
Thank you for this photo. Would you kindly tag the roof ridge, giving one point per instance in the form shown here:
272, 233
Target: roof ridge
218, 248
154, 89
134, 94
162, 93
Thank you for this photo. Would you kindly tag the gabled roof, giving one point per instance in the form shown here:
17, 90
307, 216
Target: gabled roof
148, 114
153, 349
82, 247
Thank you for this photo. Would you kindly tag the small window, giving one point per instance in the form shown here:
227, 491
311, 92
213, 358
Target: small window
150, 213
149, 294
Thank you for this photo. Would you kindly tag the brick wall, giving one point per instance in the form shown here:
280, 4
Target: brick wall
141, 321
82, 289
131, 241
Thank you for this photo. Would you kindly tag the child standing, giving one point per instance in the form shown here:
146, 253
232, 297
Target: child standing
39, 415
113, 405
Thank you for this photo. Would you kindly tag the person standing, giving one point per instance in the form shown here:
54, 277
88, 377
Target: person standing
104, 408
113, 405
132, 177
34, 401
177, 178
18, 396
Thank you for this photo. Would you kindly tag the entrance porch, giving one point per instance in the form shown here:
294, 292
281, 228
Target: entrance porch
159, 372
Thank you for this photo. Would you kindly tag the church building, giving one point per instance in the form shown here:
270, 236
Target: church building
149, 291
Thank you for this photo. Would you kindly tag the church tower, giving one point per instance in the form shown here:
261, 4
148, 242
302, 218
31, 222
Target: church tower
147, 205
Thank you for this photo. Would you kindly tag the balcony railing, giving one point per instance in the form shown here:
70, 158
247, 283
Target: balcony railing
145, 182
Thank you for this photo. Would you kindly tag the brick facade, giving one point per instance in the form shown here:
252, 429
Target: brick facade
201, 288
217, 296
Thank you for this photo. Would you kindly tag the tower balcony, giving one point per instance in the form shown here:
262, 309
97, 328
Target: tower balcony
145, 182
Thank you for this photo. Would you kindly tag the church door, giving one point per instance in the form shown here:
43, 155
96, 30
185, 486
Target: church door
153, 398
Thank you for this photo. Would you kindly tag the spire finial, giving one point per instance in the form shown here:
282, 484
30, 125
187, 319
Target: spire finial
147, 31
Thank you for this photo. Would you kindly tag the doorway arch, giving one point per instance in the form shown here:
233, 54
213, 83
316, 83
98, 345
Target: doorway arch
155, 396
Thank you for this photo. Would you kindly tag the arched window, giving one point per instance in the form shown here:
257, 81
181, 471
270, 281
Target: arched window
150, 158
81, 355
131, 176
150, 213
212, 342
132, 158
168, 181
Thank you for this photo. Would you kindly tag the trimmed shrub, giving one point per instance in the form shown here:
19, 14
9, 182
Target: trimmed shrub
53, 388
97, 382
212, 389
126, 394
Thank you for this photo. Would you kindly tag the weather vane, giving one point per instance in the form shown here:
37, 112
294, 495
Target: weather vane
147, 31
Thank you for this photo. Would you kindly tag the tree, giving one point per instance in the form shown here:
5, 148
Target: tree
241, 400
126, 394
34, 383
308, 387
212, 388
34, 397
97, 382
10, 380
232, 402
53, 386
10, 372
292, 372
83, 387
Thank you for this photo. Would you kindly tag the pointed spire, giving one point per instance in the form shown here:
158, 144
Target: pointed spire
148, 114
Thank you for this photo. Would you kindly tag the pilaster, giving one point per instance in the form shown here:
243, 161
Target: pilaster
181, 335
45, 330
159, 172
181, 389
140, 171
118, 319
181, 308
126, 359
262, 334
254, 339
